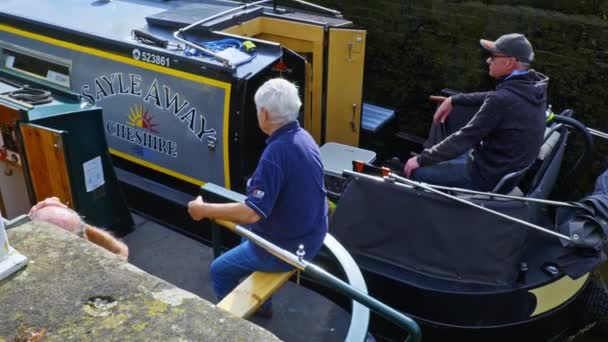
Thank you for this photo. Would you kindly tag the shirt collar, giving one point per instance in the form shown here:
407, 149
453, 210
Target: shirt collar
517, 72
290, 126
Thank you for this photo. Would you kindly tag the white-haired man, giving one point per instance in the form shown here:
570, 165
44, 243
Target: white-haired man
285, 196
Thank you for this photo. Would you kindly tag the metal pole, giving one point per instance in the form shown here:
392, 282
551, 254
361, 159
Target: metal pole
334, 12
223, 13
267, 245
318, 273
463, 201
598, 133
472, 192
515, 198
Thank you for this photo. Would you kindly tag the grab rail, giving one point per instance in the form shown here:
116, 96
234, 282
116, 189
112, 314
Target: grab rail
325, 277
180, 32
177, 34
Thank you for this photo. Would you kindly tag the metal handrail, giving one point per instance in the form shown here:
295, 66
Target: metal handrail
319, 274
359, 314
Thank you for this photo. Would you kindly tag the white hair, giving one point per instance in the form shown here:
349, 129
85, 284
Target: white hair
280, 98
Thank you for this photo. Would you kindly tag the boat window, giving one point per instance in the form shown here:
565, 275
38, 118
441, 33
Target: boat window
35, 64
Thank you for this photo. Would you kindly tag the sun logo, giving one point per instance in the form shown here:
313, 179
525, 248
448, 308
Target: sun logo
140, 117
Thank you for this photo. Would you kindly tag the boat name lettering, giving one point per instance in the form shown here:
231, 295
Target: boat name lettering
156, 93
142, 138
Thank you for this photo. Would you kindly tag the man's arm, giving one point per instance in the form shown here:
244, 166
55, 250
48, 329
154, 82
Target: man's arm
236, 212
447, 105
107, 241
483, 122
470, 99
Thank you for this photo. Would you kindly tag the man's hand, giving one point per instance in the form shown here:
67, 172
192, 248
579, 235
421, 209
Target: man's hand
443, 111
410, 166
196, 209
47, 202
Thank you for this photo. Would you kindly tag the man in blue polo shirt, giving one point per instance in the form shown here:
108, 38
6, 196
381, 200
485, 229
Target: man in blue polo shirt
285, 196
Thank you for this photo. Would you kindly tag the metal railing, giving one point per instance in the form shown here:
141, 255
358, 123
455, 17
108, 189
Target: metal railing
597, 133
325, 278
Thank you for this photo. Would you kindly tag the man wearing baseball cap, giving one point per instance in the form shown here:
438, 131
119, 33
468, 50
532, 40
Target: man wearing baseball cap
505, 134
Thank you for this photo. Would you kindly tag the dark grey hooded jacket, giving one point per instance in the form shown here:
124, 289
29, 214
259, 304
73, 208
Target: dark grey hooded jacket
506, 133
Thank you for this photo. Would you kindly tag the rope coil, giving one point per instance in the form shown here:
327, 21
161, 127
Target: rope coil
31, 95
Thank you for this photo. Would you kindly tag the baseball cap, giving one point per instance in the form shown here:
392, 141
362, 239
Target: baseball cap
512, 45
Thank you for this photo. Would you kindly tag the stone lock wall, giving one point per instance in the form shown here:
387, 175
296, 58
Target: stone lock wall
416, 48
74, 290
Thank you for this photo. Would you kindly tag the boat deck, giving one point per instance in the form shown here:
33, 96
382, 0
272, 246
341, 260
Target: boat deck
299, 313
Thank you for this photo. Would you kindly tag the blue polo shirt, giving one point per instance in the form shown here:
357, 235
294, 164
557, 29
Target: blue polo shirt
287, 191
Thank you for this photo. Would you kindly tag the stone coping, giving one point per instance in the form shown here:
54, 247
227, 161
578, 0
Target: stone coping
73, 290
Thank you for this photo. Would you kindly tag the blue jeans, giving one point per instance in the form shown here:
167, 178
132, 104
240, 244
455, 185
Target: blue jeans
240, 262
454, 173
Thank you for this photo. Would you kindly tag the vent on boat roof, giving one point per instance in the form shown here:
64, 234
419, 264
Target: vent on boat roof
191, 13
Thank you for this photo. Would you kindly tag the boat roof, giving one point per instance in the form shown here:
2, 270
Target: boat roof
115, 20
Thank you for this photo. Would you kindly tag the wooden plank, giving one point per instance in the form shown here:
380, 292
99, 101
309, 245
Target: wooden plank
253, 292
47, 164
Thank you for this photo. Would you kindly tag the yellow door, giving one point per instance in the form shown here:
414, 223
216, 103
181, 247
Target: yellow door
46, 161
346, 58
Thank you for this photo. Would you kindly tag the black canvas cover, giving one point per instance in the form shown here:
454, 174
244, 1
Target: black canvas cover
587, 227
427, 233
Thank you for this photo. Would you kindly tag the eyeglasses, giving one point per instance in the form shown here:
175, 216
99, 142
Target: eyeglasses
493, 57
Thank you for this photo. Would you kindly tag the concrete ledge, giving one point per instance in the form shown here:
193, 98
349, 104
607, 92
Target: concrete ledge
78, 291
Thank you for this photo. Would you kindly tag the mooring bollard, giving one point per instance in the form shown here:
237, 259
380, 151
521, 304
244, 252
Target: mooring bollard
10, 259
